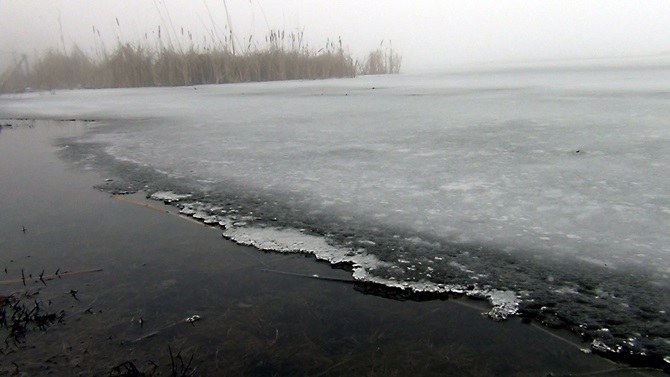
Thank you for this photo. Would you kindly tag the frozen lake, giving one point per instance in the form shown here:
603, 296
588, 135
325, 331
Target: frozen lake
543, 188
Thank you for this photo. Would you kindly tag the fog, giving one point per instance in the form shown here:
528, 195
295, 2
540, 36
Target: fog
428, 34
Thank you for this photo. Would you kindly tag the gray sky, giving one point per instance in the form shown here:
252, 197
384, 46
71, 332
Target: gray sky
428, 34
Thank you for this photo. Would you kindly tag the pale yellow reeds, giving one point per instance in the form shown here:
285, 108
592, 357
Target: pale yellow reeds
285, 56
383, 60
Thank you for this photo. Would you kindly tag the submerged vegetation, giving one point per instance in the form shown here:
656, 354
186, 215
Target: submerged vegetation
284, 56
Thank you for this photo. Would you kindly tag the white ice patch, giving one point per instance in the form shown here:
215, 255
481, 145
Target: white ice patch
599, 345
504, 303
293, 241
168, 196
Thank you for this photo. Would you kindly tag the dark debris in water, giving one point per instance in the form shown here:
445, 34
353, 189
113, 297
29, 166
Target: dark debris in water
179, 367
21, 313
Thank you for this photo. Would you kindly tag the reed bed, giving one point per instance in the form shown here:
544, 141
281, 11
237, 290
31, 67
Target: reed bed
381, 61
282, 57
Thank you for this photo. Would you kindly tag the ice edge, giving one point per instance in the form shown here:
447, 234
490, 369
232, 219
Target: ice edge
504, 303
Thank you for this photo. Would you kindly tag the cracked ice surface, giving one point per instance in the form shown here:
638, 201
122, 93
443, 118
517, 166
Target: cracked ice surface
550, 185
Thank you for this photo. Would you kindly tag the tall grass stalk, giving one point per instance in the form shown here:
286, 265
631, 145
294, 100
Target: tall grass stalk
284, 56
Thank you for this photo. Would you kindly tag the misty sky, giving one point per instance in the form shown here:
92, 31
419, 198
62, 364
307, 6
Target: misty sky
428, 34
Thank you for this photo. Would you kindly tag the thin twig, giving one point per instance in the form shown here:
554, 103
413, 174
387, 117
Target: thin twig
49, 277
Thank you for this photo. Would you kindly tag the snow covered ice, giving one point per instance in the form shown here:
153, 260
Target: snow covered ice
548, 183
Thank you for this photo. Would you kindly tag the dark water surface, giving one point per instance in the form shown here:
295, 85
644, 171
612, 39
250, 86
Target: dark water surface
161, 269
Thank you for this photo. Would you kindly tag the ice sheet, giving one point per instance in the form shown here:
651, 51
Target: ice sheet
544, 185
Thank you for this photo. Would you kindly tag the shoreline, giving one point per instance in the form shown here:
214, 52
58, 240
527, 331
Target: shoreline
158, 270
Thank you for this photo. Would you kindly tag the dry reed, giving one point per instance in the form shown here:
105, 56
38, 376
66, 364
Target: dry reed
383, 60
284, 56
